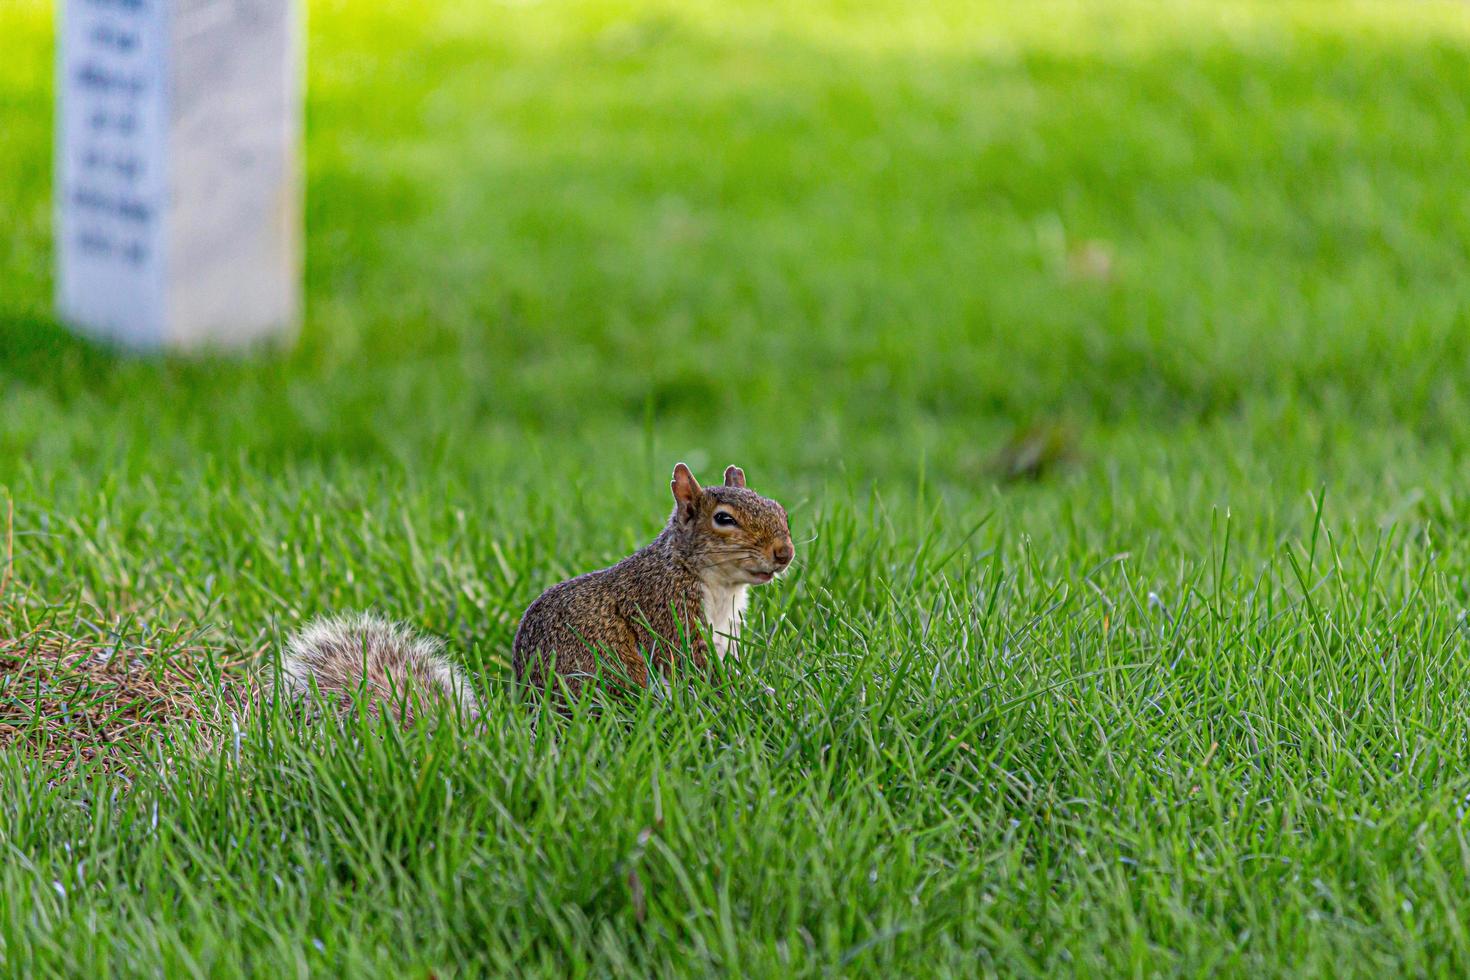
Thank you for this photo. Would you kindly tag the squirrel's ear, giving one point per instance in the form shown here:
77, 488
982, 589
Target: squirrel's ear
734, 477
685, 487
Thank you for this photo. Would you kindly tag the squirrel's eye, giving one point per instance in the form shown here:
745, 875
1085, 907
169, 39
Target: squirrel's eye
723, 519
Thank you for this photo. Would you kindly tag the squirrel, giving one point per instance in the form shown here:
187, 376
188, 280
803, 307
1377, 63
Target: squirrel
684, 590
689, 579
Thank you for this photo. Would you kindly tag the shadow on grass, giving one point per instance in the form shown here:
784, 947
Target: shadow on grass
42, 353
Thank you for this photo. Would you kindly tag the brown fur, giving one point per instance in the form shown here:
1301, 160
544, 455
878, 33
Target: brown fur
651, 606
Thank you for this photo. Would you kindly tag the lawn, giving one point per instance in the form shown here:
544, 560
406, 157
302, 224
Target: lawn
1192, 695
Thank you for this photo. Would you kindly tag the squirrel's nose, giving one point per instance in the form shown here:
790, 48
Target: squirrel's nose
783, 554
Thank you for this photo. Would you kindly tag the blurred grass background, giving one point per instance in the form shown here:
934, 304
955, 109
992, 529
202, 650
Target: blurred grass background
1205, 258
791, 229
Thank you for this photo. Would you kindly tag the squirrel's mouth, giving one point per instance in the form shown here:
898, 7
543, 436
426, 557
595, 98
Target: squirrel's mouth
759, 578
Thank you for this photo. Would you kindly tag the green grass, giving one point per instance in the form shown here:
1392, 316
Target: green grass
1197, 702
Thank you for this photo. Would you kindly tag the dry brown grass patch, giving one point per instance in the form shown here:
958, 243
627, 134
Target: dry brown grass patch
90, 694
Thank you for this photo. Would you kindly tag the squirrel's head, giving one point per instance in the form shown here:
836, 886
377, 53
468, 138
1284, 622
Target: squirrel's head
734, 535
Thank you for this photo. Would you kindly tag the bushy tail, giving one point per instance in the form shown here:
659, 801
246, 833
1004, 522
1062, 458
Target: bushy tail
345, 658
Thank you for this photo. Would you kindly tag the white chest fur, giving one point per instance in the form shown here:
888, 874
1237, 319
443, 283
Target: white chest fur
724, 608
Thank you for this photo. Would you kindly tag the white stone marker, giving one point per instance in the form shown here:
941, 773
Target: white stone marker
178, 185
